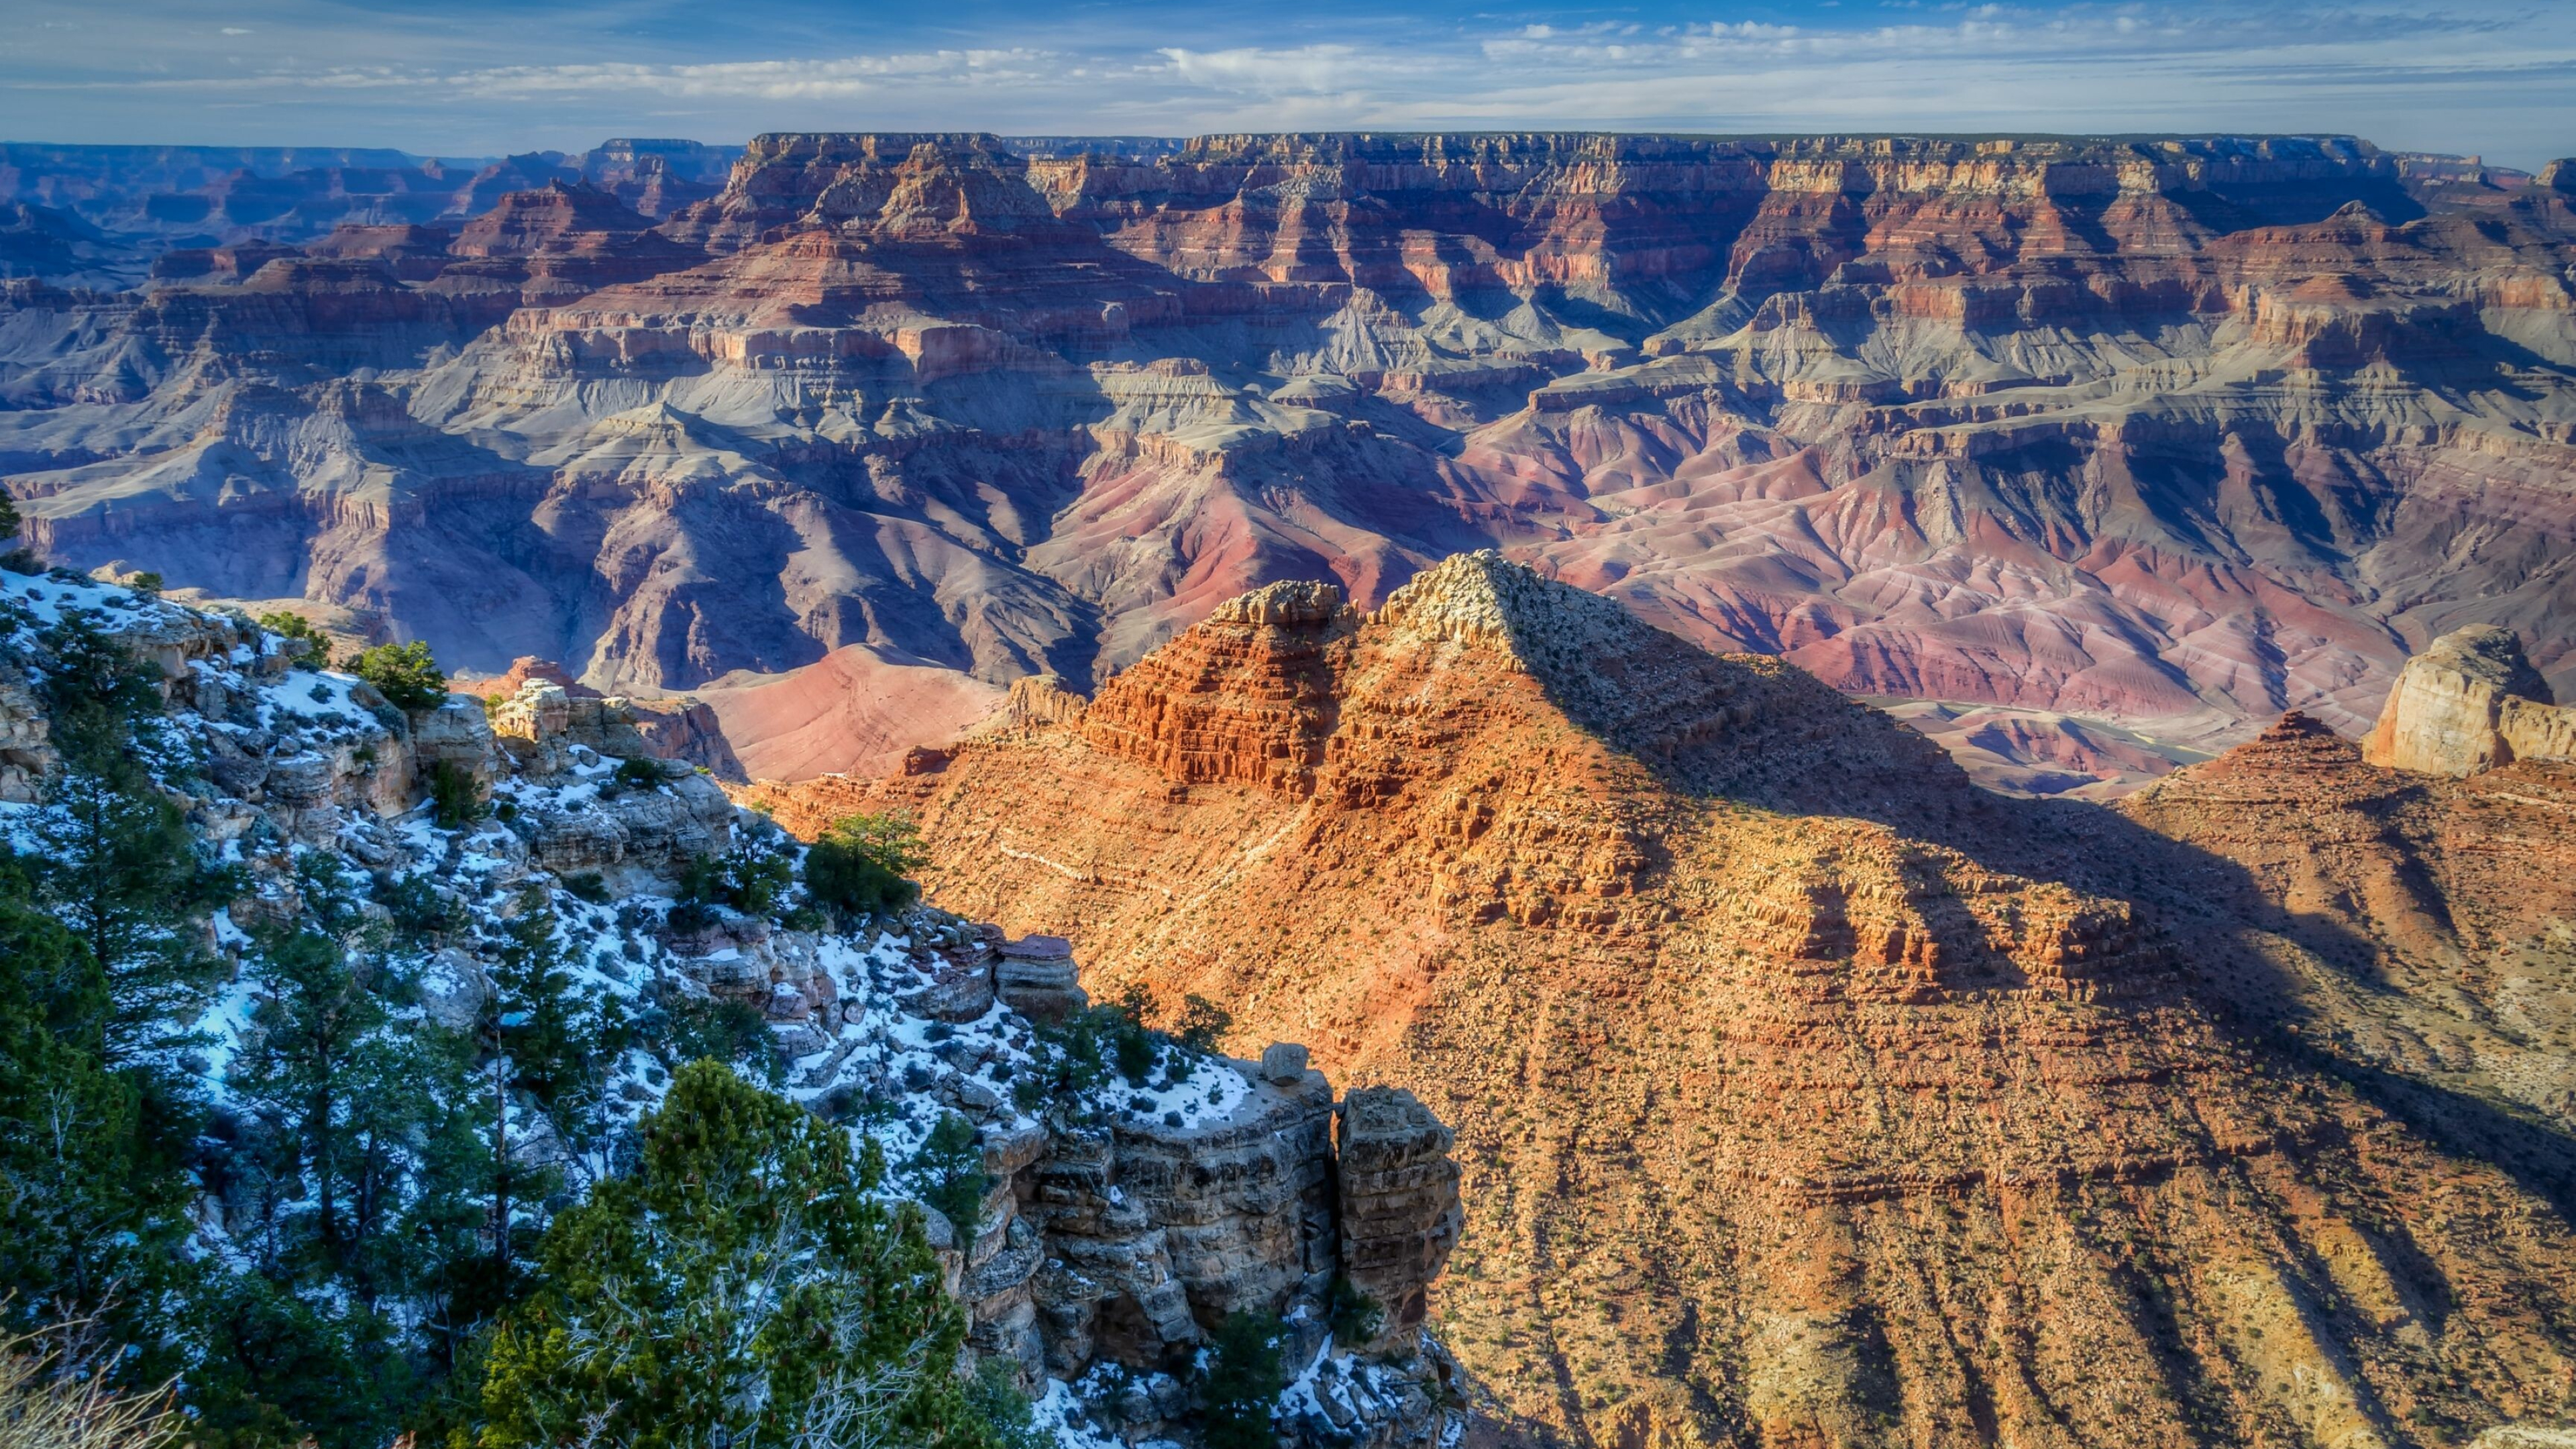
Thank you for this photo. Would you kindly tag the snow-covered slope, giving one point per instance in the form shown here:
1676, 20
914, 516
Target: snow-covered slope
1131, 1202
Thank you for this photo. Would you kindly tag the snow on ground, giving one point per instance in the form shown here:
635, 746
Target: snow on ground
1183, 1090
1340, 1387
892, 1073
314, 696
226, 1026
1061, 1417
47, 597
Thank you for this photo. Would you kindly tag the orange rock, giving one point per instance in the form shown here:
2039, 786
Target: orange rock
1803, 1092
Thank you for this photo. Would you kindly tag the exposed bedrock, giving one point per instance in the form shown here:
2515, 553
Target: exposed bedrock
2173, 434
1804, 1094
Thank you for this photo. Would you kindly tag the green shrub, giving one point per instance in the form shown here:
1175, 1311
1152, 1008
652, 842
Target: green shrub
147, 583
306, 648
1245, 1373
858, 866
588, 886
749, 878
1081, 1053
639, 773
950, 1170
404, 674
455, 801
698, 1028
1132, 1044
420, 912
1354, 1317
743, 1285
994, 1394
688, 918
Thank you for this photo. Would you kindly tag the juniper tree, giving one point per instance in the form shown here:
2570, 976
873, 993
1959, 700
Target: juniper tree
744, 1286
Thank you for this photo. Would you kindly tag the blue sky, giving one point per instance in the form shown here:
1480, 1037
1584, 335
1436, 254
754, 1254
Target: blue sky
475, 77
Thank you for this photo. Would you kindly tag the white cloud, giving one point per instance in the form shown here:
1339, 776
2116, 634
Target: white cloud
2493, 75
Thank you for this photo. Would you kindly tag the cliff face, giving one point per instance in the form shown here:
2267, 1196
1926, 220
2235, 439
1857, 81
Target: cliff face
1121, 1225
2470, 702
1803, 1093
2176, 434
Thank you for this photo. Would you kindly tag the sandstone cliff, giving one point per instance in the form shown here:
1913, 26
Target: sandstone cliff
2176, 434
2470, 702
1804, 1094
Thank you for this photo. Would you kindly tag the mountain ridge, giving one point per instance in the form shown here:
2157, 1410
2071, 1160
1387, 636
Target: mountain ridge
1759, 1101
2175, 434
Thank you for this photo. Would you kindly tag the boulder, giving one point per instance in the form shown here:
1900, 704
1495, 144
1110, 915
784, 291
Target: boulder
2470, 702
1037, 978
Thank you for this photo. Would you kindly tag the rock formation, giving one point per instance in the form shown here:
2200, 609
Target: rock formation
2470, 702
1121, 1224
2171, 433
1804, 1093
2418, 925
682, 729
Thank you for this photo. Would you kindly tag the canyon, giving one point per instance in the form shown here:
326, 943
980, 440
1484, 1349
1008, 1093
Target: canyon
1805, 1092
1116, 1224
2100, 453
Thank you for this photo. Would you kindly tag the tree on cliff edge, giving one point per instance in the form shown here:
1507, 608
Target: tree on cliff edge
744, 1286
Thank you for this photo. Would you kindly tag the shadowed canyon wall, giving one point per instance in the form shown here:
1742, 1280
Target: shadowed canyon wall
1806, 1094
2170, 434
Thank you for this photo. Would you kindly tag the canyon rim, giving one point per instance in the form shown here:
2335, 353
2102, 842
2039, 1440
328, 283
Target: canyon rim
1357, 789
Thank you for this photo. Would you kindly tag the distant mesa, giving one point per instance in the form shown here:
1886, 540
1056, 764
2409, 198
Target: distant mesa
2092, 455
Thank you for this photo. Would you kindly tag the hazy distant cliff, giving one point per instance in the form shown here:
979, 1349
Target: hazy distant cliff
2172, 432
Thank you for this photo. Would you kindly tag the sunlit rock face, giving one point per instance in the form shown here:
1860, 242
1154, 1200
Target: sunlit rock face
2172, 434
1776, 1051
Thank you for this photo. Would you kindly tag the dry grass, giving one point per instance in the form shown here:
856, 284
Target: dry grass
55, 1396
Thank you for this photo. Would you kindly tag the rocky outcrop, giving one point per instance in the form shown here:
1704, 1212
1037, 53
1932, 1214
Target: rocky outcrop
26, 750
1124, 1218
1037, 977
1400, 1210
1118, 1233
1775, 1050
682, 729
2470, 702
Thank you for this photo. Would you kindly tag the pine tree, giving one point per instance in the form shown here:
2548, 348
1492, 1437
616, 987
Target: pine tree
118, 865
1244, 1377
297, 1074
745, 1285
92, 1202
548, 1046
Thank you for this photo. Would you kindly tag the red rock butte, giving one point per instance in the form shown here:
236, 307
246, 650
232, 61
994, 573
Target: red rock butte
1805, 1093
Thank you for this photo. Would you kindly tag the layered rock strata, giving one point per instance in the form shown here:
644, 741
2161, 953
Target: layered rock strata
2173, 433
1804, 1094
